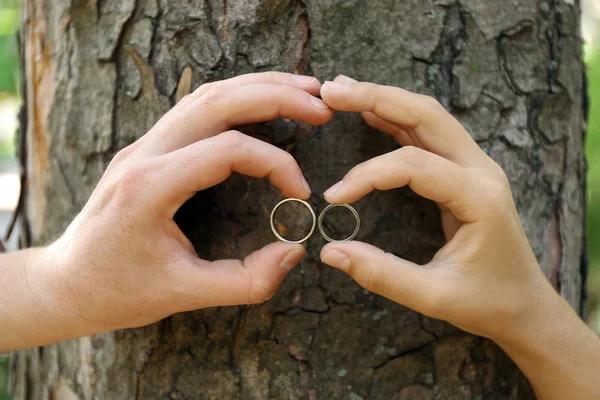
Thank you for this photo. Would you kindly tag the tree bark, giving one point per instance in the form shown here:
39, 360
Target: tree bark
98, 74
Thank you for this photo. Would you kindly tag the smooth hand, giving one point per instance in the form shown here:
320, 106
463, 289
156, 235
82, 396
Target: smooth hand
124, 262
486, 279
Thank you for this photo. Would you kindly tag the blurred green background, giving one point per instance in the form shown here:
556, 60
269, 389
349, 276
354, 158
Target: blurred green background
9, 100
593, 154
9, 61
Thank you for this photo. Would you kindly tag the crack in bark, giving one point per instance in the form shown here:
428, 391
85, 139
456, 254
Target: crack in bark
422, 324
154, 40
553, 47
447, 52
125, 31
502, 57
304, 58
234, 349
402, 354
20, 211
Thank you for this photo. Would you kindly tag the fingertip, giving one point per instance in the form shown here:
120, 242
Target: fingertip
345, 79
339, 96
331, 193
333, 87
324, 112
308, 83
335, 257
278, 251
298, 192
342, 193
326, 249
306, 186
293, 257
318, 103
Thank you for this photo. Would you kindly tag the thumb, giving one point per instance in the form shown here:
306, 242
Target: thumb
235, 282
383, 273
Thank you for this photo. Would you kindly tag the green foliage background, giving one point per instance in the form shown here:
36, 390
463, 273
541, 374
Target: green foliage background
9, 64
9, 78
593, 154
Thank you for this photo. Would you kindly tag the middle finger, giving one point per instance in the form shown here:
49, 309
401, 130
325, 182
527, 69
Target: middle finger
437, 130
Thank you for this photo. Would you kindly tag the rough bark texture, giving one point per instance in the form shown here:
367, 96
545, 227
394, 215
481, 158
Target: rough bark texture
99, 73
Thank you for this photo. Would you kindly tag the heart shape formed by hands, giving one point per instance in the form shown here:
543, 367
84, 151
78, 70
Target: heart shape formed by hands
142, 257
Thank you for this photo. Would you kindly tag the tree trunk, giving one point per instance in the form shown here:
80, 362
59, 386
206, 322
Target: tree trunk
99, 73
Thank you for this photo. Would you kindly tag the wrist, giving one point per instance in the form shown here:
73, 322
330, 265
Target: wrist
540, 323
35, 311
555, 349
53, 292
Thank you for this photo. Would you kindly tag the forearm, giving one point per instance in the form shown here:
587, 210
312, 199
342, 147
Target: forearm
34, 308
557, 352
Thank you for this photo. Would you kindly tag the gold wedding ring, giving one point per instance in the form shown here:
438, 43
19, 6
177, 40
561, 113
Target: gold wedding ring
356, 228
276, 232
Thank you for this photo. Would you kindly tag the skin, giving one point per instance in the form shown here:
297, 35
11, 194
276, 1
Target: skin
141, 268
123, 262
486, 279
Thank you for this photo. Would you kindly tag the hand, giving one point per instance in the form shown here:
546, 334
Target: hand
486, 280
123, 262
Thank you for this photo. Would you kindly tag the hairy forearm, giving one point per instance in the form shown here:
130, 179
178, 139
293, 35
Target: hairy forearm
34, 308
557, 352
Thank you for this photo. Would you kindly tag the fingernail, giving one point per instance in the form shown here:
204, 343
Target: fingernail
292, 259
306, 185
345, 79
304, 79
334, 189
337, 260
318, 102
335, 85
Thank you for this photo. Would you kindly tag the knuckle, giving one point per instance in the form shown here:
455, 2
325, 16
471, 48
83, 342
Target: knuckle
187, 99
260, 288
433, 105
285, 159
410, 154
274, 76
356, 171
499, 174
131, 183
371, 90
376, 280
202, 89
232, 139
122, 156
498, 195
208, 94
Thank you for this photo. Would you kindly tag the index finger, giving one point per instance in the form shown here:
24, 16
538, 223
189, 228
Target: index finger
436, 129
180, 174
216, 109
429, 175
